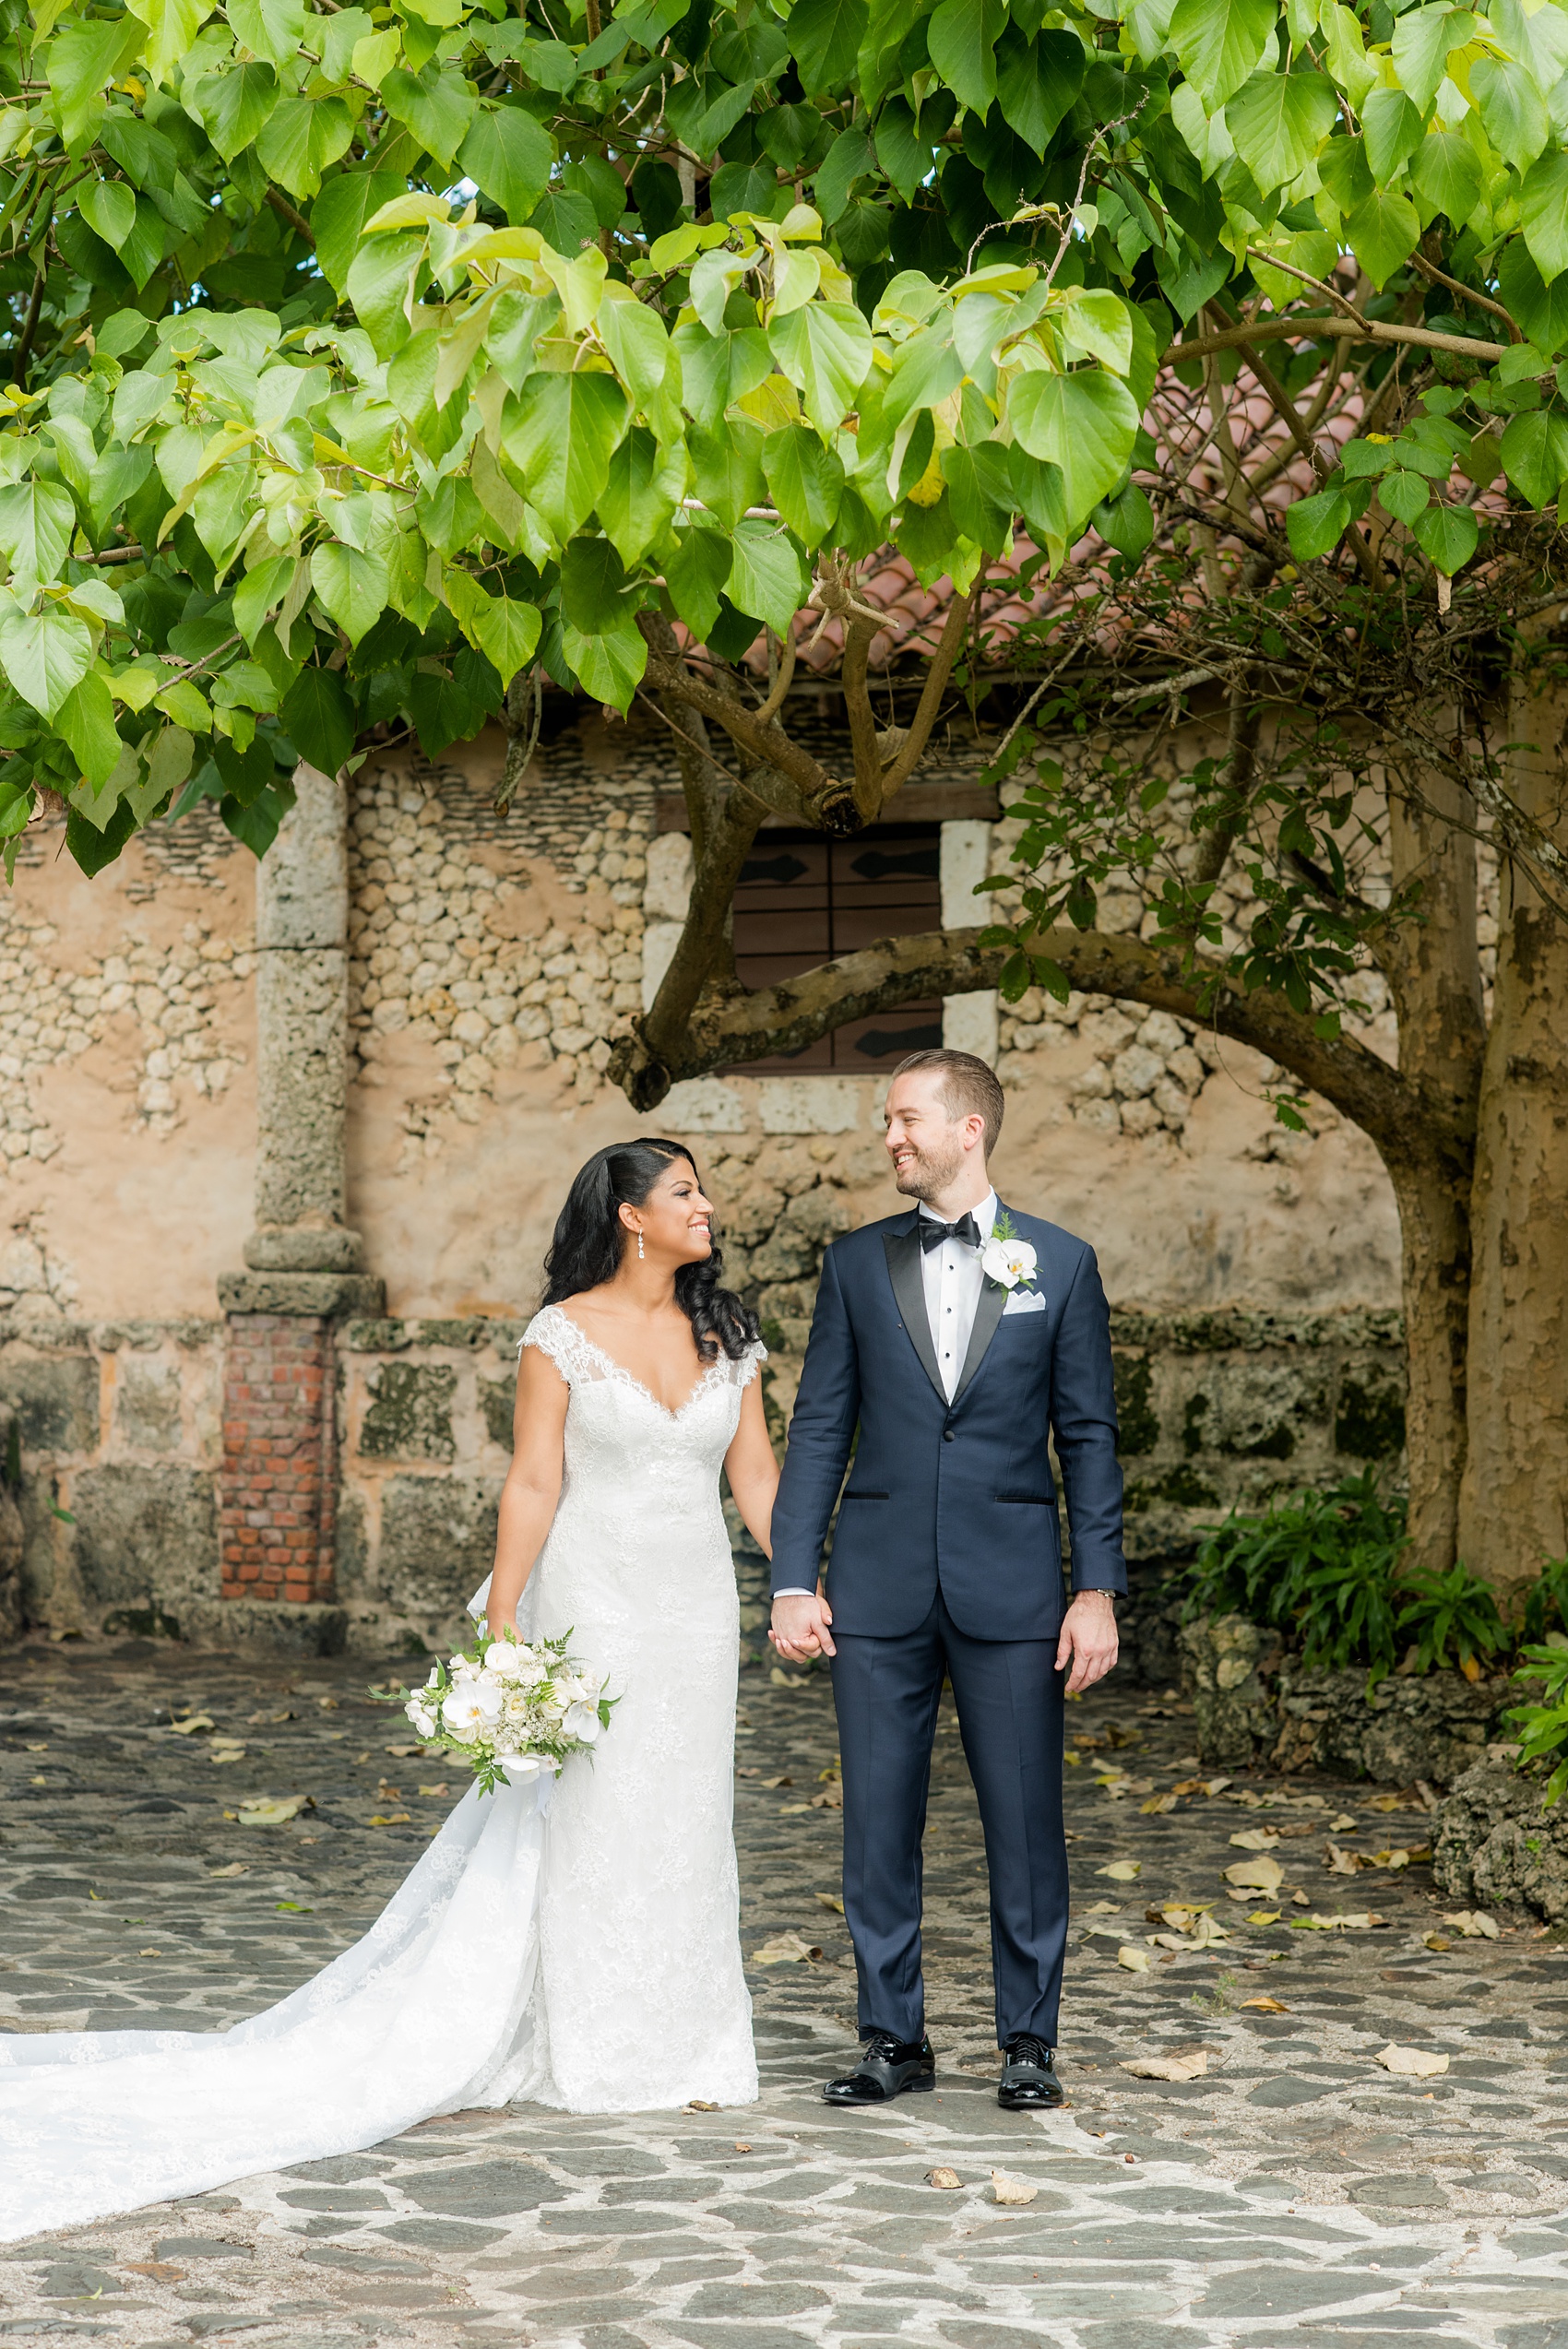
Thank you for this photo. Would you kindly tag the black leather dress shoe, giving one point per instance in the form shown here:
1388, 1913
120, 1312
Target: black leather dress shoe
1029, 2076
887, 2067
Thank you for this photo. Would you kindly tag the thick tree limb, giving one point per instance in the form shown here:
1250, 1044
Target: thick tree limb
912, 749
1398, 1117
1338, 329
818, 797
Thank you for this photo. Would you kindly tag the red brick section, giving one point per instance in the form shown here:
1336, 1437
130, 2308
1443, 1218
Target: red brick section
279, 1458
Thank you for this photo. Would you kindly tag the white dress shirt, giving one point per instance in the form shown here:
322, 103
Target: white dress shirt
953, 1280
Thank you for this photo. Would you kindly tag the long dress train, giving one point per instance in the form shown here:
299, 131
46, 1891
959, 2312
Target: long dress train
571, 1940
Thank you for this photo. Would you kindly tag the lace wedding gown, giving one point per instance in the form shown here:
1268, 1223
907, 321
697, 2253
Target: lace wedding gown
571, 1940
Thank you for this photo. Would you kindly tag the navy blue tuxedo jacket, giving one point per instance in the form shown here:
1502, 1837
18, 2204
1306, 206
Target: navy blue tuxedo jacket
951, 1496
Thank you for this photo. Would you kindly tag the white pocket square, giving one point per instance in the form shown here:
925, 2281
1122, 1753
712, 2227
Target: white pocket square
1025, 1300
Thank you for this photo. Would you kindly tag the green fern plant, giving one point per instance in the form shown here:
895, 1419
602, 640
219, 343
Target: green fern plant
1454, 1609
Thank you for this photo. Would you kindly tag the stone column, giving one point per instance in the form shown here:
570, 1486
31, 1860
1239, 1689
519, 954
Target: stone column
303, 1262
969, 1022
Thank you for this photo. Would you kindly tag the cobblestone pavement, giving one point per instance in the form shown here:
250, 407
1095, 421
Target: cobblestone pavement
1294, 2191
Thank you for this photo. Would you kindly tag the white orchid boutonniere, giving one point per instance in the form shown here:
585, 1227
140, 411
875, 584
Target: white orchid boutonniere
1005, 1258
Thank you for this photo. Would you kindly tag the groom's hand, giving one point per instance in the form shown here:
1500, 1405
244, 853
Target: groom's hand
1087, 1642
800, 1628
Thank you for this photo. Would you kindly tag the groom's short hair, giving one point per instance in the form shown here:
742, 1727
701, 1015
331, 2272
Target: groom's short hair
970, 1087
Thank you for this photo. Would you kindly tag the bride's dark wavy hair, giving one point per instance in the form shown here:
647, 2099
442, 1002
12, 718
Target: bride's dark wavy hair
590, 1237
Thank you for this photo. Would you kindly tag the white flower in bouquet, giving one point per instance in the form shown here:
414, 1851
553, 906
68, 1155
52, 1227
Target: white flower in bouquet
422, 1716
1007, 1260
506, 1659
581, 1721
470, 1710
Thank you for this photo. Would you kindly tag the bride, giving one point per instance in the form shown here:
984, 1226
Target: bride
571, 1940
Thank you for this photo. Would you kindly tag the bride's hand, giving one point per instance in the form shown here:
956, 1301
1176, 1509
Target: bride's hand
801, 1626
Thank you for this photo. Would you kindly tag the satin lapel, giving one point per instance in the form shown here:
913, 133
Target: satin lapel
987, 1317
903, 1249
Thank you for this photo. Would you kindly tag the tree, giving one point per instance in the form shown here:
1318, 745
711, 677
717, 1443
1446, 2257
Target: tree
368, 364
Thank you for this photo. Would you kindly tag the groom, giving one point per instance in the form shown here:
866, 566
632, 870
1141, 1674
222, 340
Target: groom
952, 1337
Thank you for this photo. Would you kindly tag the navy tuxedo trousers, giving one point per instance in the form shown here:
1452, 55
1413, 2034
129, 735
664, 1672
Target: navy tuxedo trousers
1009, 1696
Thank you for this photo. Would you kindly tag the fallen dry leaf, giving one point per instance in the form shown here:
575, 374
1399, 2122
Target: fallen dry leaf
782, 1679
402, 1753
1474, 1924
1437, 1942
1358, 1921
1136, 1961
830, 1798
390, 1818
1013, 2192
944, 2178
1102, 1908
785, 1949
1339, 1862
1215, 1785
235, 1867
1392, 1802
1343, 1824
1411, 2063
779, 1782
1255, 1839
1411, 1855
442, 1790
698, 2105
1258, 1875
1263, 1917
1267, 2006
270, 1811
161, 2270
188, 1727
1156, 1804
832, 1901
1122, 1871
1192, 2065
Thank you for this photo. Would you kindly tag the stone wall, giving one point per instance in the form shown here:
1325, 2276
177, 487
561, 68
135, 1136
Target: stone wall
161, 1486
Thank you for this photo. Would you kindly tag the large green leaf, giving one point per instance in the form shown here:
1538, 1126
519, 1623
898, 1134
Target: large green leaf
1083, 424
1279, 121
806, 479
509, 155
80, 64
1422, 38
1037, 82
1543, 214
696, 569
1393, 128
717, 370
727, 469
234, 105
269, 29
559, 433
593, 586
1446, 173
824, 38
378, 284
44, 654
1540, 311
640, 492
1383, 234
87, 720
436, 104
352, 585
301, 138
319, 720
638, 348
1512, 108
824, 348
109, 208
504, 628
961, 38
1447, 536
36, 522
1535, 453
608, 664
1315, 525
1219, 42
337, 218
766, 577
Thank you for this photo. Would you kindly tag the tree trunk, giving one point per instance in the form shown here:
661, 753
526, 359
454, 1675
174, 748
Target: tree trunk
1514, 1501
1433, 967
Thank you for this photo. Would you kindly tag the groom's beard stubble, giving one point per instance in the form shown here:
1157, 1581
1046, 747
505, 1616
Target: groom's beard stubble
927, 1175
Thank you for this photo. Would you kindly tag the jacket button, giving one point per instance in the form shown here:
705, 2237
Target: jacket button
947, 1435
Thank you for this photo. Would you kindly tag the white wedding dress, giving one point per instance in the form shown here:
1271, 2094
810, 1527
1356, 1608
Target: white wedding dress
571, 1940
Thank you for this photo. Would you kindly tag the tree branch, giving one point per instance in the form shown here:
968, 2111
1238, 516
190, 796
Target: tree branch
912, 749
1320, 329
296, 221
1398, 1117
818, 797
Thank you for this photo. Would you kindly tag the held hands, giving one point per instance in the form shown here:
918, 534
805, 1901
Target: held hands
1087, 1641
801, 1628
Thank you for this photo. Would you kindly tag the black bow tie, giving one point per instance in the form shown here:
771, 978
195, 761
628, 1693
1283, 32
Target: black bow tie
932, 1234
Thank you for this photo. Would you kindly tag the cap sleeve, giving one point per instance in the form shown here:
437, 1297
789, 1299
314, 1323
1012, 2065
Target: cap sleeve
555, 1335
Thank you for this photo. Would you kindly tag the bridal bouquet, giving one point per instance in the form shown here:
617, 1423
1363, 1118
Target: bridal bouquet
510, 1708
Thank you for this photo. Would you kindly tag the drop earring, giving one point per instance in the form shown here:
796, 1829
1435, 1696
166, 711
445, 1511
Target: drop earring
640, 1249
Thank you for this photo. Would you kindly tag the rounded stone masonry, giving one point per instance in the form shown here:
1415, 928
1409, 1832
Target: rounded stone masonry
1253, 1704
1497, 1843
